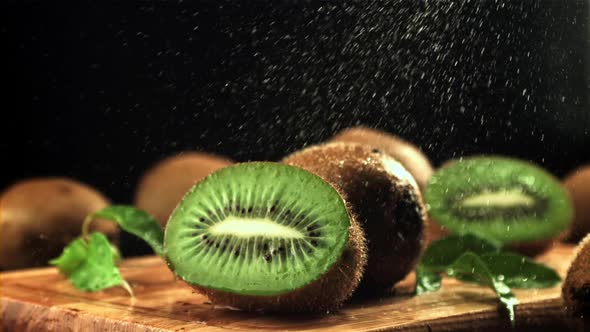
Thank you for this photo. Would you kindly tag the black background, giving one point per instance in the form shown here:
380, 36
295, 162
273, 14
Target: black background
99, 92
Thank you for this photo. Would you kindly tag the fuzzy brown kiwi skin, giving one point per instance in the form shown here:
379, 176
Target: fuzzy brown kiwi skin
328, 293
577, 185
575, 289
387, 205
409, 155
40, 216
163, 185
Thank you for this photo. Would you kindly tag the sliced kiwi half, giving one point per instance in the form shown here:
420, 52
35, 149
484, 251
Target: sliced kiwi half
266, 236
502, 199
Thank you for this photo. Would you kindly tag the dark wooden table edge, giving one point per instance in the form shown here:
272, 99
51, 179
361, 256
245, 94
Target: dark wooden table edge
27, 316
20, 315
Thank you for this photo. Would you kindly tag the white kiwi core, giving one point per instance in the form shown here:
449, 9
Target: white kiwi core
500, 198
246, 227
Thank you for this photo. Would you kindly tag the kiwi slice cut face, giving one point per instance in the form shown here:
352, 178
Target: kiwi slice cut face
260, 229
498, 198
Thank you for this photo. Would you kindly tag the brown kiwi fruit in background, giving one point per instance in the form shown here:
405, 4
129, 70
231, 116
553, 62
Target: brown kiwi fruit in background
39, 217
162, 186
383, 197
575, 290
408, 154
578, 186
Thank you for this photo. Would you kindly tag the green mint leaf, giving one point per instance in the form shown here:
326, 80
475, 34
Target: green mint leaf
72, 256
427, 281
75, 254
520, 271
517, 271
471, 264
98, 271
442, 253
136, 222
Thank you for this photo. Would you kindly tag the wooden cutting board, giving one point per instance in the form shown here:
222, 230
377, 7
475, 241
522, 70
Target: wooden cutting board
43, 300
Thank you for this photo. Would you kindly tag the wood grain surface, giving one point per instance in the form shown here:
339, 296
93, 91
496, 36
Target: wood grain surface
43, 300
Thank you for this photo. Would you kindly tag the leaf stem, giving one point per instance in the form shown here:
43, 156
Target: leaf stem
127, 287
86, 227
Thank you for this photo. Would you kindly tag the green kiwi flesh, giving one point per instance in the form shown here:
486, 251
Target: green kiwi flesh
257, 229
503, 199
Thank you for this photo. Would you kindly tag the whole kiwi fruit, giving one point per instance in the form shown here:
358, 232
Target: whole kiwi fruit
163, 185
408, 154
507, 200
40, 216
575, 290
266, 236
578, 186
382, 197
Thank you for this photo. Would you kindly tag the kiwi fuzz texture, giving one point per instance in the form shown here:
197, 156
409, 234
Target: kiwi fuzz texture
263, 236
578, 186
408, 154
40, 216
575, 289
506, 200
163, 185
382, 197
